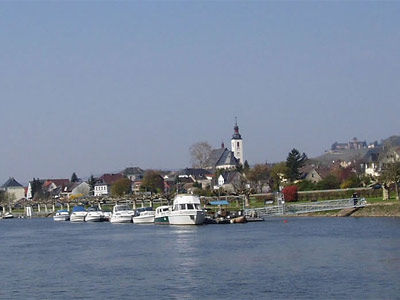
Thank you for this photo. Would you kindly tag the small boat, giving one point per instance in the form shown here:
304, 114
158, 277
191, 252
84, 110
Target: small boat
240, 219
162, 215
94, 214
78, 214
144, 216
186, 211
61, 215
8, 215
122, 214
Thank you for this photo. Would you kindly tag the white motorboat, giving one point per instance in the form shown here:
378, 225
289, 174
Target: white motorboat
8, 215
186, 210
94, 214
144, 216
122, 214
61, 215
78, 214
162, 215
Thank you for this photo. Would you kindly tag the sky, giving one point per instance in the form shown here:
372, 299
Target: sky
94, 87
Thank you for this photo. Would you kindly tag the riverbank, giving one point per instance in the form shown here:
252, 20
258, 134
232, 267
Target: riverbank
377, 209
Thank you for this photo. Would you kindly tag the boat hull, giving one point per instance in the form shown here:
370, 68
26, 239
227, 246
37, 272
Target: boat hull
164, 220
61, 218
143, 220
77, 217
121, 219
94, 217
186, 218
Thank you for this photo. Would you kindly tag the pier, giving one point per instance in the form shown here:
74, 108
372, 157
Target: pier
284, 209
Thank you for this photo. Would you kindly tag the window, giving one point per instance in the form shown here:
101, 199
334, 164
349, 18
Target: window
238, 144
183, 206
190, 206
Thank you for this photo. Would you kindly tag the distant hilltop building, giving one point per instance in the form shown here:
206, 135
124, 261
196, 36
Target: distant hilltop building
223, 158
354, 144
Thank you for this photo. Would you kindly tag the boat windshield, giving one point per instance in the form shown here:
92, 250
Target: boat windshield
122, 208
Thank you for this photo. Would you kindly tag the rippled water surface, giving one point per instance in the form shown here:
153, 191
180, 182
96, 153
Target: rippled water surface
301, 258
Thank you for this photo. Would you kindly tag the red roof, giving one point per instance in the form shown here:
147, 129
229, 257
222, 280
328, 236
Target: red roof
57, 182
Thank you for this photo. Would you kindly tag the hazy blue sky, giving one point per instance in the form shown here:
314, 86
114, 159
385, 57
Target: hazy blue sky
92, 87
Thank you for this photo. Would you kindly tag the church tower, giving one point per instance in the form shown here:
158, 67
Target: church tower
237, 144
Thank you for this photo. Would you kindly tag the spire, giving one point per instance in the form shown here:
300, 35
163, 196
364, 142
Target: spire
236, 134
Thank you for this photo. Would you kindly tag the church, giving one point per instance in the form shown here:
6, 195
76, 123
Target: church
226, 159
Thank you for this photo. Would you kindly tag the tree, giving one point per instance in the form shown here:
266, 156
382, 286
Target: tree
246, 167
290, 193
294, 162
391, 174
153, 182
200, 153
329, 182
277, 173
121, 187
259, 176
92, 182
74, 177
37, 190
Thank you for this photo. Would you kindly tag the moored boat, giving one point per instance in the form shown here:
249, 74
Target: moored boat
162, 215
122, 214
94, 214
186, 211
78, 214
8, 215
61, 215
144, 216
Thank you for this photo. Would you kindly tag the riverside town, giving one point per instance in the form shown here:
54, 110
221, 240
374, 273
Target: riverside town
353, 178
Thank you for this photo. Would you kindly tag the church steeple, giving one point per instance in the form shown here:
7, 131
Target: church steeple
237, 143
236, 135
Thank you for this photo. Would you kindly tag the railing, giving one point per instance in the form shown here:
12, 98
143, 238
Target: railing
293, 209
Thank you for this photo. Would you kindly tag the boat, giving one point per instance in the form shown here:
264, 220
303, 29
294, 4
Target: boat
94, 214
61, 215
144, 215
78, 214
162, 215
186, 211
8, 215
122, 214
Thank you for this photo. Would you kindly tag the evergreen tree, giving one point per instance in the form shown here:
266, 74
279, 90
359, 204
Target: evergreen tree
294, 162
74, 177
246, 167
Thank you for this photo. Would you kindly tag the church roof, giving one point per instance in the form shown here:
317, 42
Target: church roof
11, 182
220, 157
227, 158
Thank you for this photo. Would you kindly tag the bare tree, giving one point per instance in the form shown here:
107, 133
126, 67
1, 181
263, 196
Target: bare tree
199, 153
391, 174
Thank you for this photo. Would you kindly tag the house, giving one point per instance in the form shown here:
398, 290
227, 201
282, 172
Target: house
133, 173
51, 187
102, 187
314, 173
13, 189
390, 156
370, 163
76, 189
231, 182
54, 187
201, 176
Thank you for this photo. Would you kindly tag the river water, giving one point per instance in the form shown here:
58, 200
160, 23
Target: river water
306, 258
